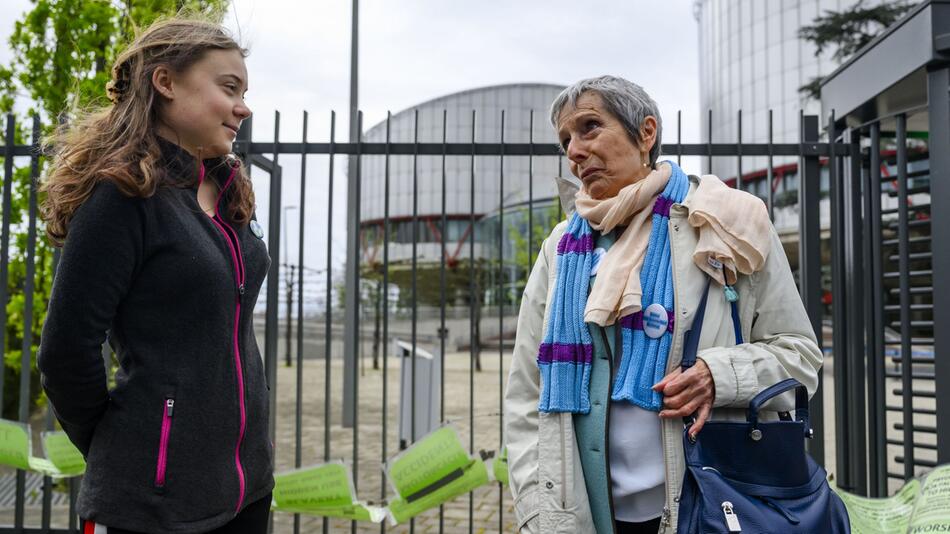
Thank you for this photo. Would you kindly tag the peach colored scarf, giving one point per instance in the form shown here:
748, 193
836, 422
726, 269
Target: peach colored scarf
734, 229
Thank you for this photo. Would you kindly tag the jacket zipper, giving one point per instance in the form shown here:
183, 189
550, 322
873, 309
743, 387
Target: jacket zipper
237, 260
162, 464
560, 421
666, 519
610, 389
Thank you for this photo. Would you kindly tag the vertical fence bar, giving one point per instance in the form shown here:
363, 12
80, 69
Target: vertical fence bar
739, 151
273, 286
413, 299
904, 268
709, 142
560, 172
501, 315
474, 342
298, 434
854, 280
357, 331
5, 237
530, 251
26, 360
809, 263
442, 332
47, 482
273, 279
877, 426
4, 274
385, 448
328, 314
26, 364
679, 137
770, 172
938, 83
838, 290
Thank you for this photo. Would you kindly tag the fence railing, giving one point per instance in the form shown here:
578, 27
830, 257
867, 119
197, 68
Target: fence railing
322, 406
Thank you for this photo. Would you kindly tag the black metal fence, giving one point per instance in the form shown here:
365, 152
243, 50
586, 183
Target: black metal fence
887, 245
366, 440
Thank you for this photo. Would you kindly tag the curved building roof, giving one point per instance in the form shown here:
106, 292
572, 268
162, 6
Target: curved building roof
518, 100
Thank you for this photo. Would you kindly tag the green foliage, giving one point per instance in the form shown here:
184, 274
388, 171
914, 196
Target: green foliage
542, 227
62, 51
847, 31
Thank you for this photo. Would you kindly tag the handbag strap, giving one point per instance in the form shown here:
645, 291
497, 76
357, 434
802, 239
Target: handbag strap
801, 400
691, 341
691, 347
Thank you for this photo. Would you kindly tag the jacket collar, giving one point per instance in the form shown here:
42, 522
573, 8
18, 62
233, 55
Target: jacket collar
181, 168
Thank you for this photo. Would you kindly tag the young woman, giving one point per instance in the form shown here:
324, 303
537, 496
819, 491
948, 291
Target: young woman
162, 257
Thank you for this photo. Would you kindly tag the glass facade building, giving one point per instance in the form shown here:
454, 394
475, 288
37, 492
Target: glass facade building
415, 185
752, 59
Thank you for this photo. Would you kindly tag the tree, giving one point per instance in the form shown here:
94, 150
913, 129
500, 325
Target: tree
848, 31
62, 53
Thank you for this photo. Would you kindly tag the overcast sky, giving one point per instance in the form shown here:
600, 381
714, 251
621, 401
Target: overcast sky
415, 50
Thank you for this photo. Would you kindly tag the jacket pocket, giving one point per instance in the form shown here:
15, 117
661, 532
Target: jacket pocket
161, 465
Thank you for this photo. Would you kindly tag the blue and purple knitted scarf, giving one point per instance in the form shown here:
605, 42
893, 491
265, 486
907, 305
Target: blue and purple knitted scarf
566, 352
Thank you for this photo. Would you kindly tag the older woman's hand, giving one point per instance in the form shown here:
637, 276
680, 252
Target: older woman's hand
687, 393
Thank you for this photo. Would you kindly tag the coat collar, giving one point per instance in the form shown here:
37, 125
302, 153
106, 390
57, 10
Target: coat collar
181, 168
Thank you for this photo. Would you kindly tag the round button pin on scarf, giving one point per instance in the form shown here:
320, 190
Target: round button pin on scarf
257, 230
655, 320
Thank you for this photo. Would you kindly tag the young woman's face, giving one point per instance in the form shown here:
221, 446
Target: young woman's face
204, 106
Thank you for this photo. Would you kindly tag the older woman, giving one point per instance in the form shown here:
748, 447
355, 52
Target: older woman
595, 397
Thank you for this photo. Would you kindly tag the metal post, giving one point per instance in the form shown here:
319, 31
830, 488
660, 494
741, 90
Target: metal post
938, 82
298, 423
290, 281
10, 140
351, 319
855, 295
874, 290
290, 313
839, 314
273, 281
809, 266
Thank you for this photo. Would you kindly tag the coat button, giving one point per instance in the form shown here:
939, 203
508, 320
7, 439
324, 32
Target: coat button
549, 484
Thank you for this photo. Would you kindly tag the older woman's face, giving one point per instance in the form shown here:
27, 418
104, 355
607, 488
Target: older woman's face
601, 153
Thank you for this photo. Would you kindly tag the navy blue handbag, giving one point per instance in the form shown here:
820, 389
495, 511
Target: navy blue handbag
754, 476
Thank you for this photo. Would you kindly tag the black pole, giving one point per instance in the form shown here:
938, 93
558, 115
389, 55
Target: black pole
290, 312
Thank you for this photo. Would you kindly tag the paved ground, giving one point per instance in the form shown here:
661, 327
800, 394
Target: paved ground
484, 501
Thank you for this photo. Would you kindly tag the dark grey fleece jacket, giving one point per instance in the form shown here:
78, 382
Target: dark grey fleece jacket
180, 444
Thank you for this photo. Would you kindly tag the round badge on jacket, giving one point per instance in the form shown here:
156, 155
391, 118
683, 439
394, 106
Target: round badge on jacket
257, 230
655, 320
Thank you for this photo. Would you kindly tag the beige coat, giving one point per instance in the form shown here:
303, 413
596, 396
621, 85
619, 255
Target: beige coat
546, 477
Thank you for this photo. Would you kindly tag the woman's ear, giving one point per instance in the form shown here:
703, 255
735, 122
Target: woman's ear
648, 133
163, 83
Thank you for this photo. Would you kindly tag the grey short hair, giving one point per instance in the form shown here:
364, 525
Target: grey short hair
624, 99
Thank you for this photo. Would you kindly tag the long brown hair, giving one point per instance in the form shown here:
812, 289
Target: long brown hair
119, 142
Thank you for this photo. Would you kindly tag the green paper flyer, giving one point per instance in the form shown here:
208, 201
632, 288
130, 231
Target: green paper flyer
932, 512
881, 516
63, 454
14, 444
324, 490
432, 471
